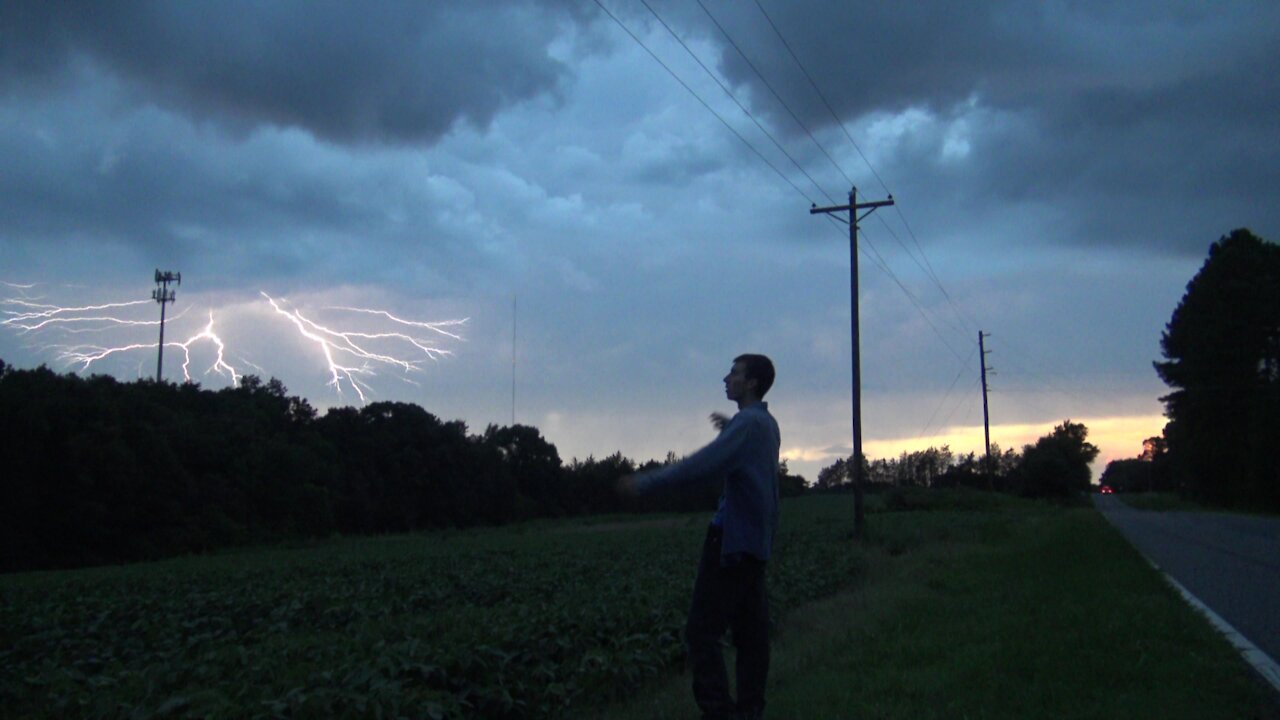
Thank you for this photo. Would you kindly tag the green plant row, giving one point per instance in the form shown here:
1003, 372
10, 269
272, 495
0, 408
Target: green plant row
528, 621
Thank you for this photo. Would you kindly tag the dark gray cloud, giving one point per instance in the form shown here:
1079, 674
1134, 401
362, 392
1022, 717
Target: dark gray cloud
472, 152
151, 185
875, 57
1131, 119
375, 71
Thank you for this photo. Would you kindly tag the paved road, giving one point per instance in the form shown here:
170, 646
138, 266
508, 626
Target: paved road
1231, 562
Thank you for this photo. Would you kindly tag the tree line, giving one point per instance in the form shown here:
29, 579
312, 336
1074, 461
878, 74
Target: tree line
1055, 466
1221, 351
96, 470
101, 471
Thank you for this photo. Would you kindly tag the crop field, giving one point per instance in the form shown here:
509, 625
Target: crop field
524, 621
961, 604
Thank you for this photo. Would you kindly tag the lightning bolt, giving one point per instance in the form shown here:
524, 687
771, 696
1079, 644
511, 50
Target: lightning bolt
433, 326
220, 365
352, 355
336, 371
41, 316
260, 370
353, 343
86, 355
34, 317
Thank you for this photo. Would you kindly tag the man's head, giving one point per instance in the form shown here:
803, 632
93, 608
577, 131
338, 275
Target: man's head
749, 379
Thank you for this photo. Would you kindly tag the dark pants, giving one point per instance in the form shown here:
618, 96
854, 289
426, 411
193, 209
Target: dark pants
730, 596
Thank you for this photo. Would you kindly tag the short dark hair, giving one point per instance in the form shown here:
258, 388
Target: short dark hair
760, 369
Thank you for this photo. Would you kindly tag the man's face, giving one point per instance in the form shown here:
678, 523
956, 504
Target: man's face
736, 384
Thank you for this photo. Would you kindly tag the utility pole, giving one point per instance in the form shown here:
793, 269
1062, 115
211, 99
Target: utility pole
163, 295
986, 419
859, 516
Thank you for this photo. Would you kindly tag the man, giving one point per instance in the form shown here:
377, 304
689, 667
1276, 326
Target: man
730, 590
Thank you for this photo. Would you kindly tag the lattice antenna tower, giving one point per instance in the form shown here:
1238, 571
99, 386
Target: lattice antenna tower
163, 295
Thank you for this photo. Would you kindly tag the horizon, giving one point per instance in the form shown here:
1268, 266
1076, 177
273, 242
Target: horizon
634, 180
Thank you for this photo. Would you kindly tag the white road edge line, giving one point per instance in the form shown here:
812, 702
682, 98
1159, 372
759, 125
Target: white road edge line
1253, 655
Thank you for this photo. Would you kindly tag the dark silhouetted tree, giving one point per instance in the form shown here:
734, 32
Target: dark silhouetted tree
1127, 475
535, 464
102, 471
1222, 362
834, 476
1057, 465
790, 485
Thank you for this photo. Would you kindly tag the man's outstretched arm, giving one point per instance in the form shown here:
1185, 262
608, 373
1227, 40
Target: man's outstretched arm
712, 461
627, 486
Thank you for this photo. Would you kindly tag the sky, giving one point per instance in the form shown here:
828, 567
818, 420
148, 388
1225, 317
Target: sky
576, 214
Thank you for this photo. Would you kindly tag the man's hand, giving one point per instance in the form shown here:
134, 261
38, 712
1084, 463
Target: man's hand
628, 487
719, 420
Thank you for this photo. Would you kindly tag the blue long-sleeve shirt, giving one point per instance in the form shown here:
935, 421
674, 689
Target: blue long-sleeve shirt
745, 456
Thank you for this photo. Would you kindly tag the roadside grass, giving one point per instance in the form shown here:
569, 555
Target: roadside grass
1161, 502
1173, 502
1023, 611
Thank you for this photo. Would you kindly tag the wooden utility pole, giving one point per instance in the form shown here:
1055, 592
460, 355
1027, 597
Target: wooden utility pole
859, 516
986, 419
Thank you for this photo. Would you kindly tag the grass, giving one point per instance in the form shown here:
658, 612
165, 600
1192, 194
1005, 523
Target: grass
1173, 502
1160, 502
1024, 612
958, 605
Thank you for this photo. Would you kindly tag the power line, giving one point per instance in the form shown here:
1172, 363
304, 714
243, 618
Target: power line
1047, 381
926, 267
946, 396
703, 102
776, 96
869, 249
865, 160
927, 271
911, 296
732, 97
820, 95
968, 400
928, 264
877, 258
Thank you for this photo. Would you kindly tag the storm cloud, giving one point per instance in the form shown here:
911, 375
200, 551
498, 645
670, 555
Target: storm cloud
1118, 115
379, 72
1060, 170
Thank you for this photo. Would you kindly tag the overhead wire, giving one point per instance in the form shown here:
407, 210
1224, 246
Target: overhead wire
823, 97
704, 103
868, 249
734, 98
925, 266
911, 296
1048, 382
946, 396
968, 401
776, 96
835, 116
894, 235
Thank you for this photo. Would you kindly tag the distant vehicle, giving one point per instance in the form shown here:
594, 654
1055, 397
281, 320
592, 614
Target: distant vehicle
1105, 490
